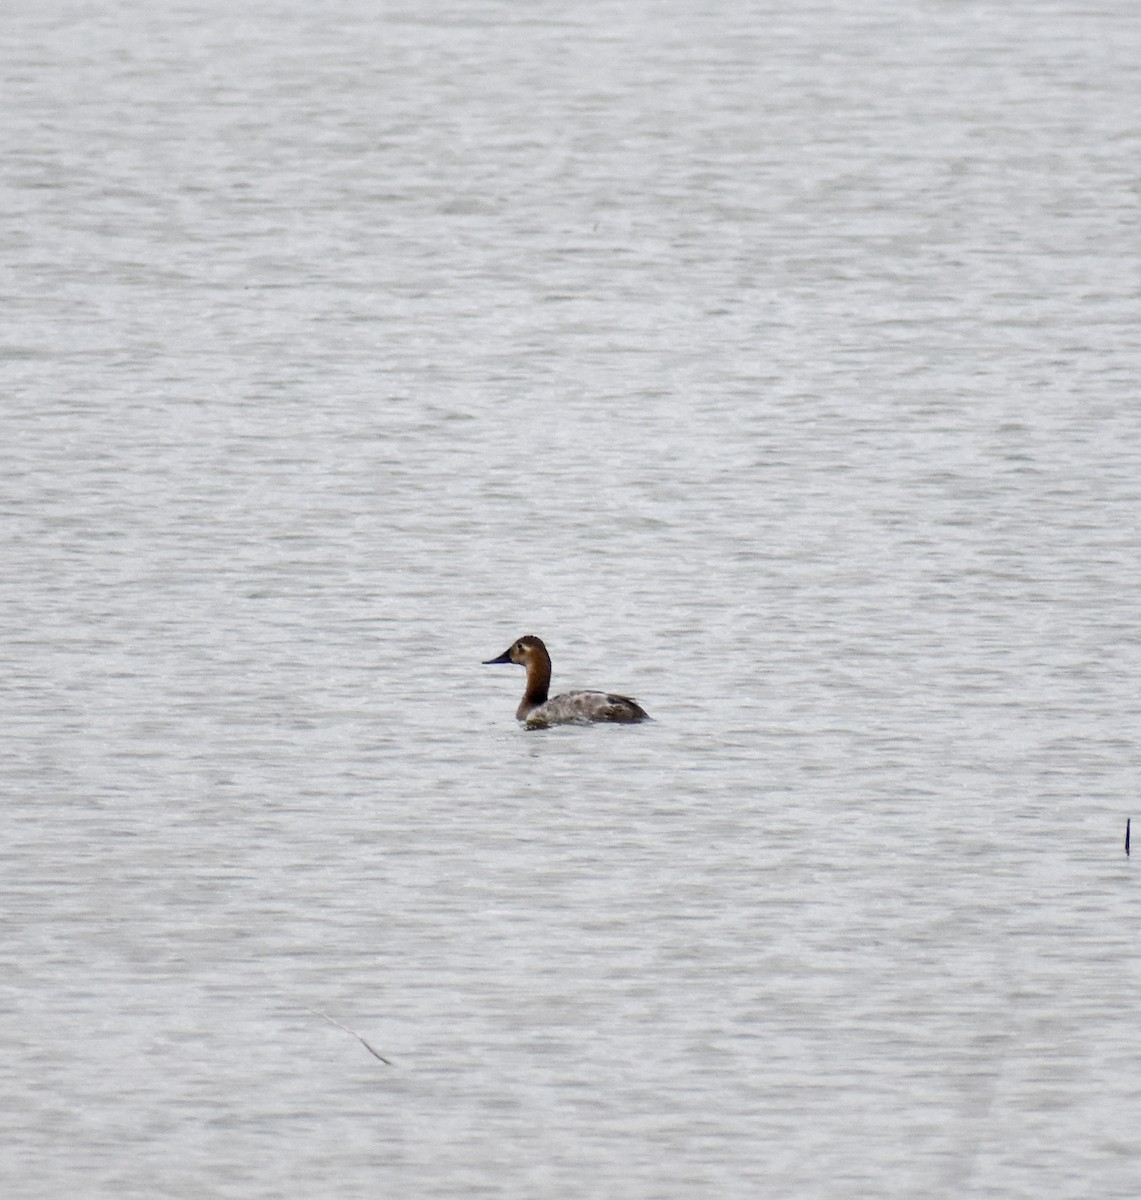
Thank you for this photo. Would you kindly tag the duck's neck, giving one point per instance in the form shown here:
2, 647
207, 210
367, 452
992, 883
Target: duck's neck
538, 682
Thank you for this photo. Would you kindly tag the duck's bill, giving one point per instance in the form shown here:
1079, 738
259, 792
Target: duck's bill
505, 657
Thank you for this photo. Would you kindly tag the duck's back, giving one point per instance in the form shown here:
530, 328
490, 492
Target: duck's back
584, 708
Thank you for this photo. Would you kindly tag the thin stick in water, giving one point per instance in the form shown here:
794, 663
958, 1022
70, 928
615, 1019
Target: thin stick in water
351, 1032
1127, 820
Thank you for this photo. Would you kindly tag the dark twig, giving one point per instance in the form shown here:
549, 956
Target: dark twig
1127, 820
352, 1032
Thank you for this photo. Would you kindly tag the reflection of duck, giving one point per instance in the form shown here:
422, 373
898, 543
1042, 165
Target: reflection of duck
571, 708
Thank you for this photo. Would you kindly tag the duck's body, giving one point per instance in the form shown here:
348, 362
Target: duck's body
571, 708
583, 708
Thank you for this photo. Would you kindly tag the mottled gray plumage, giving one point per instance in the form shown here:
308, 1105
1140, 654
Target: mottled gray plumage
582, 708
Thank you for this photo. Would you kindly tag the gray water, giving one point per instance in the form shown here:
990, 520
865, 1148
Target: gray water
778, 366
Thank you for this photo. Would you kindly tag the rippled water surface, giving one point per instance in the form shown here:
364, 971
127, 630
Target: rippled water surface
777, 367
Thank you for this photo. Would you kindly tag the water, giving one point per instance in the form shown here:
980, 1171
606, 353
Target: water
779, 369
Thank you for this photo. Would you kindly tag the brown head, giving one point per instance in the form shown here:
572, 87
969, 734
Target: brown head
526, 649
529, 652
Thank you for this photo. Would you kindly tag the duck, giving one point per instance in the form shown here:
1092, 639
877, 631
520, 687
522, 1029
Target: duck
571, 708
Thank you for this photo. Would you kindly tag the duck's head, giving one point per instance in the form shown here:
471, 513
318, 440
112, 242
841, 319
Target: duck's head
521, 652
